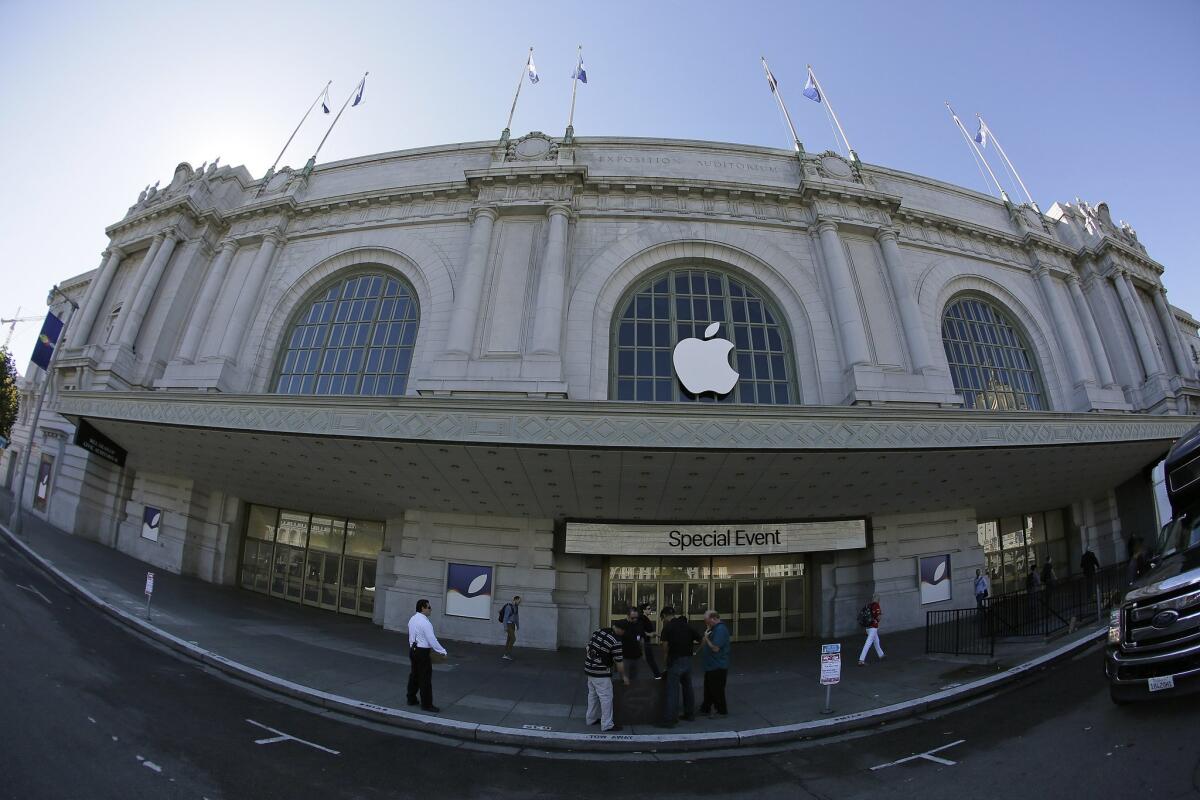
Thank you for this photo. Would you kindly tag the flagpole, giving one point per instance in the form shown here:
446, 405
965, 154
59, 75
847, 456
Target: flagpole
783, 106
971, 142
313, 161
992, 134
320, 94
574, 86
832, 113
15, 520
505, 133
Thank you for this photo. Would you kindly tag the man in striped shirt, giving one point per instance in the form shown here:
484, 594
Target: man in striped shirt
602, 654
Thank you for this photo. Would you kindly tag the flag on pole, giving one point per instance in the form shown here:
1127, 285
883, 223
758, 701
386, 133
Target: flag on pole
981, 135
810, 89
325, 100
362, 85
771, 78
532, 69
580, 74
47, 339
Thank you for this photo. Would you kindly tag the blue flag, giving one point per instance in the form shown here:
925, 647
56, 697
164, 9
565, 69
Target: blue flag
810, 89
325, 101
981, 135
531, 69
580, 73
361, 86
47, 339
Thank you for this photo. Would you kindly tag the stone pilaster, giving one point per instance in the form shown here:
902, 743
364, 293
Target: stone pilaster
910, 315
1091, 332
469, 296
547, 325
247, 301
94, 300
207, 300
132, 316
845, 299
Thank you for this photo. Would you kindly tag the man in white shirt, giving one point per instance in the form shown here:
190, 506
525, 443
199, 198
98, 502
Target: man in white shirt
422, 643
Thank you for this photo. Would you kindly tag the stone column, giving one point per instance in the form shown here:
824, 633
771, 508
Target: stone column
1133, 315
845, 301
247, 301
131, 289
1159, 360
1079, 371
1183, 364
207, 300
132, 317
470, 291
1091, 332
547, 323
910, 315
96, 294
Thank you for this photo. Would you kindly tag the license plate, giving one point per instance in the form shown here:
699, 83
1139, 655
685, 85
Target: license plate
1158, 684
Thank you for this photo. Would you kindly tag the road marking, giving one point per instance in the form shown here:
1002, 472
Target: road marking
35, 591
280, 736
927, 755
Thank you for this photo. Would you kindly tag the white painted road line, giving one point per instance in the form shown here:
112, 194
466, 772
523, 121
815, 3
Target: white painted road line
35, 591
280, 736
928, 755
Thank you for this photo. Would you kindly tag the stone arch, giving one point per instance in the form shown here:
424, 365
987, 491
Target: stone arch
282, 303
946, 281
613, 272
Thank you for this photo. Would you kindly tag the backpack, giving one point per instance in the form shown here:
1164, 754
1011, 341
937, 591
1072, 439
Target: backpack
865, 618
503, 608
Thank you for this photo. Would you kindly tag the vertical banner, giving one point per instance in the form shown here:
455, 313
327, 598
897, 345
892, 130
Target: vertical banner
469, 591
151, 518
47, 339
41, 493
935, 578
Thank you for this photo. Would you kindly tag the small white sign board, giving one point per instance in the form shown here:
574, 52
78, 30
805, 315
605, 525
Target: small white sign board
831, 664
149, 583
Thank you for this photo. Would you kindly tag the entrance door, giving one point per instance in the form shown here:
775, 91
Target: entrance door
772, 608
794, 601
697, 604
745, 626
724, 601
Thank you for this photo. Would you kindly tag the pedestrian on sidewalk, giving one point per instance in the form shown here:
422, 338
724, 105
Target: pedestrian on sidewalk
648, 628
511, 620
1089, 564
633, 642
872, 631
1049, 578
714, 657
602, 655
982, 588
422, 644
677, 638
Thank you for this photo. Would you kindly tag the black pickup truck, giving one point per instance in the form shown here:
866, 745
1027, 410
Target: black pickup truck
1154, 632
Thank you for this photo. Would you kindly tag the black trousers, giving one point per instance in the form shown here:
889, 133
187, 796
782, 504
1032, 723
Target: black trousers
714, 691
420, 675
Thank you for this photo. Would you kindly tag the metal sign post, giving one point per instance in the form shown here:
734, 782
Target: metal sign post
149, 591
831, 672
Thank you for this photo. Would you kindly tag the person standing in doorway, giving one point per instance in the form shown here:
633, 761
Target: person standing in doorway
677, 637
511, 620
872, 631
714, 657
633, 642
422, 644
647, 615
602, 655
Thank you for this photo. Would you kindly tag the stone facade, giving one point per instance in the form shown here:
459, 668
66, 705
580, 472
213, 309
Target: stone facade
519, 256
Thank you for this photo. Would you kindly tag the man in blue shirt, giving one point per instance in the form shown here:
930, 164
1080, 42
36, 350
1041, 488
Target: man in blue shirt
511, 620
714, 656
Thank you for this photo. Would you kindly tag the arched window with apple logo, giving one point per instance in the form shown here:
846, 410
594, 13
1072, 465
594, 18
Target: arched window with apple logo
989, 357
691, 334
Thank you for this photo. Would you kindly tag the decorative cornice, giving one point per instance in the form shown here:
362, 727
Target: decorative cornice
623, 425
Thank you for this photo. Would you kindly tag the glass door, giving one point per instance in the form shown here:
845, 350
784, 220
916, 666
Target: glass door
620, 597
772, 607
794, 602
745, 627
697, 604
326, 539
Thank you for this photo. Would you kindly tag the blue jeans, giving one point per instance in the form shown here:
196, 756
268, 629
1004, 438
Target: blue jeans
679, 671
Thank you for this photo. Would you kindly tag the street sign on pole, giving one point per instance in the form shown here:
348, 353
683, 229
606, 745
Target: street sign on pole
831, 671
149, 591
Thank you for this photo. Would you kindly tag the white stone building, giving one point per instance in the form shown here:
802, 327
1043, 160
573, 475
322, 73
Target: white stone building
333, 385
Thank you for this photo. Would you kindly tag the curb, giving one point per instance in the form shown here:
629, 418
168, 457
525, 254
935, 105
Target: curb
552, 740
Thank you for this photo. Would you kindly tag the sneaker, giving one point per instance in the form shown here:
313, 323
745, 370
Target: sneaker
862, 663
610, 730
507, 658
412, 702
659, 677
431, 709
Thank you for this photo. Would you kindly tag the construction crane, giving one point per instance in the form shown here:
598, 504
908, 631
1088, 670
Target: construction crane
12, 325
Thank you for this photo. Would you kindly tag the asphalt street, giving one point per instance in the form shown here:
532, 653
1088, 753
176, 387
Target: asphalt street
91, 710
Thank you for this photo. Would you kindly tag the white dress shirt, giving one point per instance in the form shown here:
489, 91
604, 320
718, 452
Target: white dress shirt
420, 633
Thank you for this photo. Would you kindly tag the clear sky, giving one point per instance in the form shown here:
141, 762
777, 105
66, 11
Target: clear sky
1091, 99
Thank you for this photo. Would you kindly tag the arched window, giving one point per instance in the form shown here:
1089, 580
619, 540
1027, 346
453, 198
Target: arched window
680, 303
355, 337
989, 358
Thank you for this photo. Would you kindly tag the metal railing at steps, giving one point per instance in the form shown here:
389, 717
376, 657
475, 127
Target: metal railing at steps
1043, 612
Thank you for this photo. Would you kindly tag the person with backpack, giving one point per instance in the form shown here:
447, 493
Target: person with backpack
511, 620
868, 617
602, 655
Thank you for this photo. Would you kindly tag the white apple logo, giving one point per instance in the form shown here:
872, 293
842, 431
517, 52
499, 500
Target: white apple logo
703, 364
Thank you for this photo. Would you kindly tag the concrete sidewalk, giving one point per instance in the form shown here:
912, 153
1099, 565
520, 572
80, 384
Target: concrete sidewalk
537, 700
